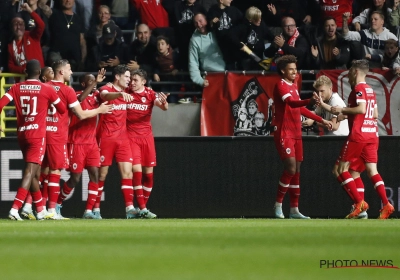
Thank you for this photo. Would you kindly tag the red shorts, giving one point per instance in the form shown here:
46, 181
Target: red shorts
352, 151
83, 155
33, 149
143, 151
56, 157
110, 148
288, 147
357, 165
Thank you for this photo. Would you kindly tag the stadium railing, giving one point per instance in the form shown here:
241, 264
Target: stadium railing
5, 116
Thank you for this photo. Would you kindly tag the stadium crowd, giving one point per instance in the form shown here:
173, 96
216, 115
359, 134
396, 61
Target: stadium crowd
169, 37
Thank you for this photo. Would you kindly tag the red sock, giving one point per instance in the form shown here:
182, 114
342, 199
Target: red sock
360, 187
147, 181
54, 189
138, 189
284, 182
294, 190
19, 198
127, 191
350, 186
99, 193
92, 194
45, 188
65, 191
38, 201
28, 198
339, 178
379, 186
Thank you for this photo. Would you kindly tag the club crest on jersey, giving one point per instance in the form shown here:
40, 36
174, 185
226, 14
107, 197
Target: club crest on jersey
143, 99
359, 93
74, 166
102, 158
252, 110
288, 151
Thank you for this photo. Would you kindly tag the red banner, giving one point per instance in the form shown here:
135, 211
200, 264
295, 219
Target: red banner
386, 88
238, 104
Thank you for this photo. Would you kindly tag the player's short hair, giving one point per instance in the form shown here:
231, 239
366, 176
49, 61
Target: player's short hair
253, 14
162, 37
139, 72
57, 65
322, 81
361, 64
382, 16
283, 61
120, 69
33, 68
83, 77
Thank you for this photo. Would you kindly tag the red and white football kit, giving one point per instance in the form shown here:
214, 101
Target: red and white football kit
83, 149
139, 127
111, 132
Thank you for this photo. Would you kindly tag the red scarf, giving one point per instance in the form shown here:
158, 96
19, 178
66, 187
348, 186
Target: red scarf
291, 42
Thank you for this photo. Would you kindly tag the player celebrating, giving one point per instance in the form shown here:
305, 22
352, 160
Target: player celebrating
288, 110
82, 145
32, 98
362, 142
113, 138
57, 130
141, 138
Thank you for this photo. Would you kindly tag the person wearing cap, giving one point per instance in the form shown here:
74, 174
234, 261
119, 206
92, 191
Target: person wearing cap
25, 44
111, 51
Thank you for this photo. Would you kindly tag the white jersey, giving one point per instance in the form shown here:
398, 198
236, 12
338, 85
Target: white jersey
335, 100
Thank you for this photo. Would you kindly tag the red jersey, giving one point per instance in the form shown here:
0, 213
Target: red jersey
31, 98
287, 119
335, 9
113, 126
84, 131
362, 127
139, 112
57, 124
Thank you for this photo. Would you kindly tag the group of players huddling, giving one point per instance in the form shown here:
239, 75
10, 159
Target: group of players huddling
59, 128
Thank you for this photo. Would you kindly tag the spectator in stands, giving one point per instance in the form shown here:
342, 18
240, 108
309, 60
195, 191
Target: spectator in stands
96, 30
67, 35
111, 52
335, 9
7, 12
183, 25
123, 13
30, 23
394, 17
222, 17
46, 74
46, 7
87, 9
278, 9
290, 42
142, 50
330, 51
391, 55
372, 39
253, 32
362, 20
207, 3
165, 69
204, 52
151, 13
25, 45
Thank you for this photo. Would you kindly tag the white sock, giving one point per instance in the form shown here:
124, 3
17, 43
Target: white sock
128, 208
278, 204
88, 211
294, 210
96, 209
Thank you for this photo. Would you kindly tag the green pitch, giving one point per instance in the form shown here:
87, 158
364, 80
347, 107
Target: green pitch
196, 249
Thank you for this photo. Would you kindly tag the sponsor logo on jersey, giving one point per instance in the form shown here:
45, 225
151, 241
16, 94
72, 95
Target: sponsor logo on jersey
29, 127
288, 151
143, 99
119, 107
30, 87
102, 158
74, 166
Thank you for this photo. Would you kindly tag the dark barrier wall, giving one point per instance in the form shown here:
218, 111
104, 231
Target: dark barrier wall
199, 177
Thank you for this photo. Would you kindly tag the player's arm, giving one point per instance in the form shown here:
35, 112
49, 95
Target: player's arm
101, 75
161, 101
308, 122
376, 114
308, 114
361, 108
108, 96
86, 114
60, 106
295, 103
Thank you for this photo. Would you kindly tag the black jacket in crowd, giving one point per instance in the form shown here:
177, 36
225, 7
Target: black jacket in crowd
339, 62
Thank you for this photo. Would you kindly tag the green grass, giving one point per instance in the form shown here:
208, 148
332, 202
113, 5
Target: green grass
195, 249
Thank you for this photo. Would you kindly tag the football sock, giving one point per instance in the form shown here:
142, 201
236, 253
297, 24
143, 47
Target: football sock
98, 197
347, 190
65, 191
54, 189
360, 187
28, 199
127, 191
350, 185
284, 182
92, 195
19, 198
294, 190
138, 189
147, 180
38, 201
379, 186
45, 188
